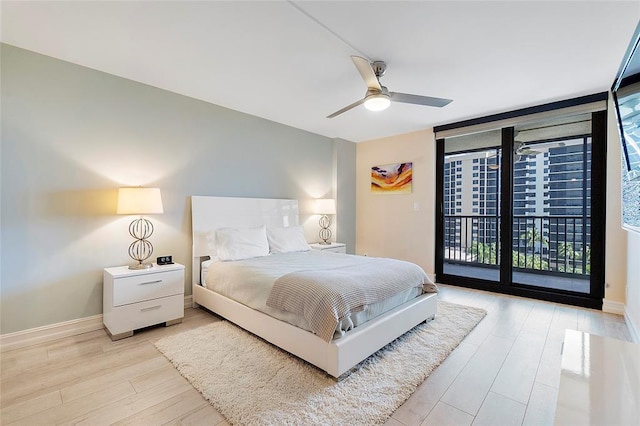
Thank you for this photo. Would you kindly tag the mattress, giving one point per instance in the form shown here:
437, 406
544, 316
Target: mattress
204, 269
250, 281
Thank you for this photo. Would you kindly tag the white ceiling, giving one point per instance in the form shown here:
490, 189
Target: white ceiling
289, 62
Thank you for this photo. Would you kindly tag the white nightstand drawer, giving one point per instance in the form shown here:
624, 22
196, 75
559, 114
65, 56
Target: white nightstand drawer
138, 288
143, 314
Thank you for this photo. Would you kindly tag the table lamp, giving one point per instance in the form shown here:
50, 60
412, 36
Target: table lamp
325, 207
140, 201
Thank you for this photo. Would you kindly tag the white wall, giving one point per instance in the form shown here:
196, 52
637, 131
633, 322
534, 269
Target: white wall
622, 273
71, 136
632, 308
388, 224
616, 237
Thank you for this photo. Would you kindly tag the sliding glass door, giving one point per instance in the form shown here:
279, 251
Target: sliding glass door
552, 205
516, 206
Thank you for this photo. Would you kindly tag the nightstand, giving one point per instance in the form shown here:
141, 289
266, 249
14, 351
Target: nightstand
134, 299
331, 248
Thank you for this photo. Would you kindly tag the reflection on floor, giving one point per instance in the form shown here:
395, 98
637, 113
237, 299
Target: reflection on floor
598, 381
507, 370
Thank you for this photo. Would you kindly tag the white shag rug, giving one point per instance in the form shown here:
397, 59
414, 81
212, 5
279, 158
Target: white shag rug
251, 382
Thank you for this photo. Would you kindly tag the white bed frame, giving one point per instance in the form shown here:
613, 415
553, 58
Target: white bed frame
335, 357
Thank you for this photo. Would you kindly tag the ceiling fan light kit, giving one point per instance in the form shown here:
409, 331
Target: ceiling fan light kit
377, 102
378, 98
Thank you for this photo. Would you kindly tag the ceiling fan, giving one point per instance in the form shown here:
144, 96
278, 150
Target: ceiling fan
378, 97
521, 150
524, 150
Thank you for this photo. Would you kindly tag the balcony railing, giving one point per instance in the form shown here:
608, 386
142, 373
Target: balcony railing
548, 244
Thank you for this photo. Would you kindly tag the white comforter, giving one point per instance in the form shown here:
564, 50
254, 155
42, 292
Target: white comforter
250, 282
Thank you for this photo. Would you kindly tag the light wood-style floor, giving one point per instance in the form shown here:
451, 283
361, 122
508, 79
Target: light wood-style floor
505, 372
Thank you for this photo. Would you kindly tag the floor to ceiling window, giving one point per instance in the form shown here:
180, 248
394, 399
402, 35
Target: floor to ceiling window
517, 198
552, 204
471, 205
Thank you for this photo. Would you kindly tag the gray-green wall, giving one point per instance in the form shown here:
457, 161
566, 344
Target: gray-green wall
345, 187
71, 136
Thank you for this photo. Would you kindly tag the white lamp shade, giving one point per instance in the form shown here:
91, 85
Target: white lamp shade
139, 201
325, 206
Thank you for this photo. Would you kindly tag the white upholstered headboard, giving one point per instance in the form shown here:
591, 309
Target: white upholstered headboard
210, 213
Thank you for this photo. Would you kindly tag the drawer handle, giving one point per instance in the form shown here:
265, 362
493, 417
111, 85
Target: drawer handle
151, 308
151, 282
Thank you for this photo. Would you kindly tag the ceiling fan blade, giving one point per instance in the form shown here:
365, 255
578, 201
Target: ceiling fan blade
522, 149
347, 108
419, 100
527, 151
364, 67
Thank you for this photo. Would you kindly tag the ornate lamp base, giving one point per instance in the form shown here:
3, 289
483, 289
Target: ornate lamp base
141, 249
141, 266
325, 232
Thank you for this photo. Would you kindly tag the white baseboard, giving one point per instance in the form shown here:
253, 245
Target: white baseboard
188, 300
612, 307
620, 309
48, 333
631, 325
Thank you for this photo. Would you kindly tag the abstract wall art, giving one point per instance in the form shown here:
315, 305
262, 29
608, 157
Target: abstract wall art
392, 178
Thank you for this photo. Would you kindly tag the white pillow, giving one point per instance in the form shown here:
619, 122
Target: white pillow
211, 245
241, 243
286, 240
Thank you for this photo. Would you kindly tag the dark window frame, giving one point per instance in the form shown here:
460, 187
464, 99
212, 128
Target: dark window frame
597, 208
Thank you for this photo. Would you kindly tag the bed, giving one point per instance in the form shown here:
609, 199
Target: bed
356, 336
